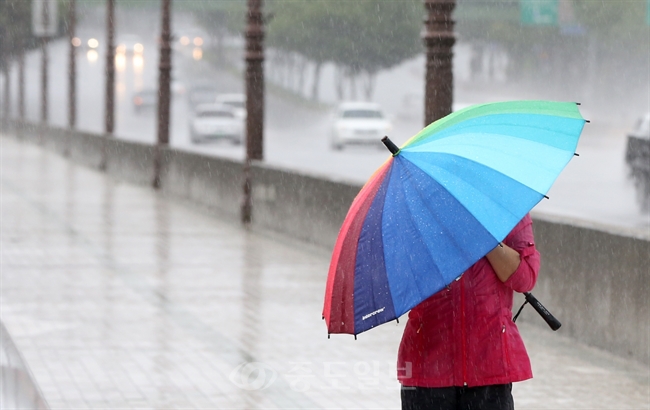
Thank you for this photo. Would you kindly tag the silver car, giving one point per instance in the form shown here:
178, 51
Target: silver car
234, 100
216, 122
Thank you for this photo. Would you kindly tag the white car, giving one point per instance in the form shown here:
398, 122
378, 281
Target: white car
214, 122
236, 101
359, 123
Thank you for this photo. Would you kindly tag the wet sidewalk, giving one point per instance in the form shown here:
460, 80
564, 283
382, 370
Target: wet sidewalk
120, 298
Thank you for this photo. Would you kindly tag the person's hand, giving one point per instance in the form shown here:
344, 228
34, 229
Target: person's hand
504, 261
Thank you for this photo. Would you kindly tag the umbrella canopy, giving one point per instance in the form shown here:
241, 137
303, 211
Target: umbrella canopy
442, 202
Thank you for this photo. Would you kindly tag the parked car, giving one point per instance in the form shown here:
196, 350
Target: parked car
144, 100
236, 101
216, 122
359, 123
202, 93
637, 157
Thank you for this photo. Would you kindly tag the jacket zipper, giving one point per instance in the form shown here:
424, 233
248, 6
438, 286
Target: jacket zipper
504, 344
462, 329
504, 341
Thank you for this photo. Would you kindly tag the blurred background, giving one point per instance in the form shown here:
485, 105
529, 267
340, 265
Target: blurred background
322, 55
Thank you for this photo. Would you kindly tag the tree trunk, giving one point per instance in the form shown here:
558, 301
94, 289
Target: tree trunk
287, 70
44, 80
21, 85
109, 93
353, 84
220, 53
72, 67
369, 86
590, 79
272, 67
292, 71
302, 66
339, 84
316, 83
7, 94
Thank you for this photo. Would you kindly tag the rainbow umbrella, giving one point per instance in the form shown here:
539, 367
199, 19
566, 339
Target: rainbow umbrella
441, 202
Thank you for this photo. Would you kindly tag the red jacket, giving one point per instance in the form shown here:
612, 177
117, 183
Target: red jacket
464, 334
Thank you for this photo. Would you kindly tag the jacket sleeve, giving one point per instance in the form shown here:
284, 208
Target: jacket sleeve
521, 239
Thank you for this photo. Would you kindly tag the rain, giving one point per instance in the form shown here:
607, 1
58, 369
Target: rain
175, 177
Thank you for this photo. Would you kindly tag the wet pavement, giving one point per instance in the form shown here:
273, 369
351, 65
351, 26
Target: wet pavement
118, 297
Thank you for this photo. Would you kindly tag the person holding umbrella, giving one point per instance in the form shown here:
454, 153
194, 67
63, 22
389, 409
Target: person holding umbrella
460, 348
442, 229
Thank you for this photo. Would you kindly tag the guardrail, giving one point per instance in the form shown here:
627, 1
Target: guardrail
18, 388
594, 278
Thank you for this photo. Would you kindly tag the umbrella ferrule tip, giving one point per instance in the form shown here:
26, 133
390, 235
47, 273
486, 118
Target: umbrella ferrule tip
394, 149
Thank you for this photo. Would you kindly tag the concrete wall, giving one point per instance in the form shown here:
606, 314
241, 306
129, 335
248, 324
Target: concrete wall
216, 183
305, 207
593, 279
596, 283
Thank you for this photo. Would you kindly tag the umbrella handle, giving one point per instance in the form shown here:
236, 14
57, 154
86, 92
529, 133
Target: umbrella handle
543, 312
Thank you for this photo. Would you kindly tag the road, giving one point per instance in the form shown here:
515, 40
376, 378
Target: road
594, 186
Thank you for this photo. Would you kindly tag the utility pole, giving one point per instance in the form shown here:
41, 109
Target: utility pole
439, 40
109, 114
254, 99
164, 95
72, 66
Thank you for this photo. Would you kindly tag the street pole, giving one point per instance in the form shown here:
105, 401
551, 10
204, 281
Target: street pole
439, 40
164, 96
254, 99
72, 67
110, 68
